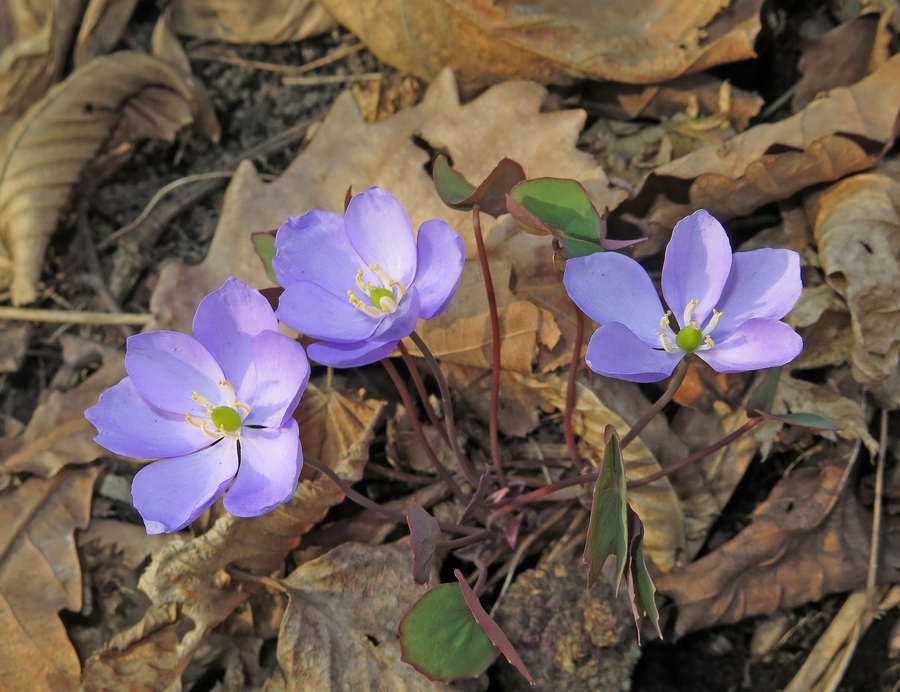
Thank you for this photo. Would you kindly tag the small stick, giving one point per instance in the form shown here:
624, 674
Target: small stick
69, 317
649, 414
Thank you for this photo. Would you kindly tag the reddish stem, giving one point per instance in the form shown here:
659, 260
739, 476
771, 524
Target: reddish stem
495, 345
423, 394
571, 388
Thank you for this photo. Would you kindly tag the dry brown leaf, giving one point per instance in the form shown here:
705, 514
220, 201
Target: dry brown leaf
39, 576
58, 433
238, 21
347, 151
132, 540
34, 44
857, 228
846, 131
328, 642
809, 539
101, 28
334, 428
656, 503
44, 154
485, 42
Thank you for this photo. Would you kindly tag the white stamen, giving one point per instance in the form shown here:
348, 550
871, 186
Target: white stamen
688, 312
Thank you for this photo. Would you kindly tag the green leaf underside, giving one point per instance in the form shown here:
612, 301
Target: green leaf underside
763, 396
424, 534
451, 186
564, 206
640, 586
490, 195
441, 639
608, 529
264, 244
810, 421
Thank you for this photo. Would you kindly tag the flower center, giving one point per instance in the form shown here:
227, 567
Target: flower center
383, 299
690, 337
220, 421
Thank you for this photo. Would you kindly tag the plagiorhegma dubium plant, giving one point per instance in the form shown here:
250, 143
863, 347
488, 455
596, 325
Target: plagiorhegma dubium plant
215, 408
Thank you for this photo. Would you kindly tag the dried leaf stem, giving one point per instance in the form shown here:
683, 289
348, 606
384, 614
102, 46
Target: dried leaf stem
651, 412
568, 430
495, 346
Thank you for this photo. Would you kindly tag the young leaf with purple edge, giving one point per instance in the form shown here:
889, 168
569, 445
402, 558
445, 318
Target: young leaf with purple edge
810, 421
763, 396
641, 589
264, 244
490, 196
607, 530
442, 640
492, 628
424, 532
561, 207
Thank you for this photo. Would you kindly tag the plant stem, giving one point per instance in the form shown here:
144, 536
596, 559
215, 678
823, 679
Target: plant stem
495, 345
447, 403
363, 501
420, 434
571, 386
651, 412
423, 394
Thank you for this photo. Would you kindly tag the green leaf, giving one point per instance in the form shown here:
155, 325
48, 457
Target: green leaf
441, 639
608, 528
264, 244
810, 421
641, 588
563, 207
764, 395
453, 189
490, 195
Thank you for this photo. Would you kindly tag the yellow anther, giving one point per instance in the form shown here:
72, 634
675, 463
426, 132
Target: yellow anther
664, 322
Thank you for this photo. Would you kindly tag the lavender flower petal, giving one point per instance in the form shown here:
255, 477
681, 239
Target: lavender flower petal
314, 247
313, 310
352, 355
402, 322
129, 426
378, 227
610, 287
167, 368
762, 284
756, 344
615, 351
261, 485
441, 255
226, 322
171, 493
698, 259
282, 372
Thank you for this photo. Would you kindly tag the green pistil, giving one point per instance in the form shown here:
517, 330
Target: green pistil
376, 295
225, 418
689, 338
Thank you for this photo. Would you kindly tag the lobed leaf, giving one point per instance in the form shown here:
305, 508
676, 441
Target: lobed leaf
608, 528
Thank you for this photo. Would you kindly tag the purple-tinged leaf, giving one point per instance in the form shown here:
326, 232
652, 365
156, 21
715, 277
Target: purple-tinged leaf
440, 638
264, 244
641, 589
763, 396
490, 196
810, 421
424, 533
608, 528
484, 484
492, 628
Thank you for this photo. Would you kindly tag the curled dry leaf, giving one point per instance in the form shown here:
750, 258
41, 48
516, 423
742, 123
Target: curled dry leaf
809, 539
101, 28
347, 151
336, 429
328, 642
45, 153
238, 21
34, 44
485, 42
656, 503
39, 576
58, 433
846, 131
857, 228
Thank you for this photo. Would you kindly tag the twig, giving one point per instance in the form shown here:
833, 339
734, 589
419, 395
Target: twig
495, 345
571, 386
229, 57
872, 573
68, 317
331, 79
649, 414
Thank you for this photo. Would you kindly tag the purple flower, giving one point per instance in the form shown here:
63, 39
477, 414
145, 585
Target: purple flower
215, 408
727, 306
361, 282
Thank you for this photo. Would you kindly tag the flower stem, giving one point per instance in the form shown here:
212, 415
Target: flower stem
420, 434
571, 385
423, 394
651, 412
386, 512
447, 403
495, 345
